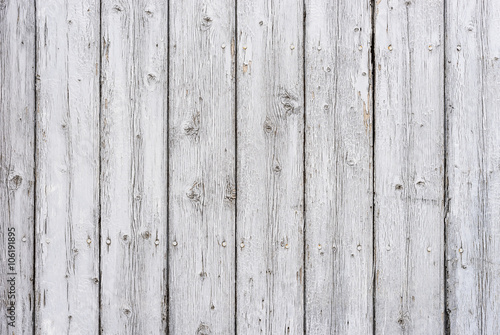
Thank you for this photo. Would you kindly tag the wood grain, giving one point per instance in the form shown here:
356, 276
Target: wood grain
17, 139
473, 166
202, 187
134, 167
338, 167
67, 167
270, 95
409, 167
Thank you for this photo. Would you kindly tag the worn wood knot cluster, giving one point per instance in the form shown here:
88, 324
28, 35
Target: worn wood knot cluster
230, 193
195, 193
289, 102
192, 126
15, 182
206, 23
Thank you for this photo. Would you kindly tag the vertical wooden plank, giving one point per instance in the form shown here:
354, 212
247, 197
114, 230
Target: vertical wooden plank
270, 115
339, 196
409, 167
133, 167
17, 123
67, 162
202, 167
473, 165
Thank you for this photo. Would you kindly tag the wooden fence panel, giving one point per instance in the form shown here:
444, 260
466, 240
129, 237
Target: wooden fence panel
409, 167
202, 188
339, 195
134, 167
67, 167
250, 167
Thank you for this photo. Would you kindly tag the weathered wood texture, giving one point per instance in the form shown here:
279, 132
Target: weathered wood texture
270, 113
67, 167
133, 167
338, 168
409, 167
473, 166
17, 111
201, 167
250, 167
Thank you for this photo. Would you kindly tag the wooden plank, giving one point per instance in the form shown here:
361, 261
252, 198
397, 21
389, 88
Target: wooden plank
67, 167
339, 195
17, 123
134, 167
202, 167
270, 116
473, 166
409, 167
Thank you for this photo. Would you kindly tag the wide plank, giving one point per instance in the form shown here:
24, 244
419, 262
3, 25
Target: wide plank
134, 41
338, 164
202, 187
17, 163
67, 167
473, 166
270, 167
409, 167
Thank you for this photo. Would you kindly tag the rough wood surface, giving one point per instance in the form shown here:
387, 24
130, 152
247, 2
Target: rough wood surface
270, 97
202, 189
133, 167
473, 166
17, 111
409, 167
67, 167
338, 168
250, 167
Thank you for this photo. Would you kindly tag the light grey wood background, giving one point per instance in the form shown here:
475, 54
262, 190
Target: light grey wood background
251, 167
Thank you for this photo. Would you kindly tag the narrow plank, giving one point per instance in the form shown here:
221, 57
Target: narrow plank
473, 166
202, 167
134, 167
409, 167
67, 167
339, 195
270, 116
17, 124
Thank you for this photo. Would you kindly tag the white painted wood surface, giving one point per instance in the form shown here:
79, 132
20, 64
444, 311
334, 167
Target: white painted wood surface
17, 161
473, 166
67, 167
251, 167
133, 167
270, 112
409, 167
338, 167
202, 190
